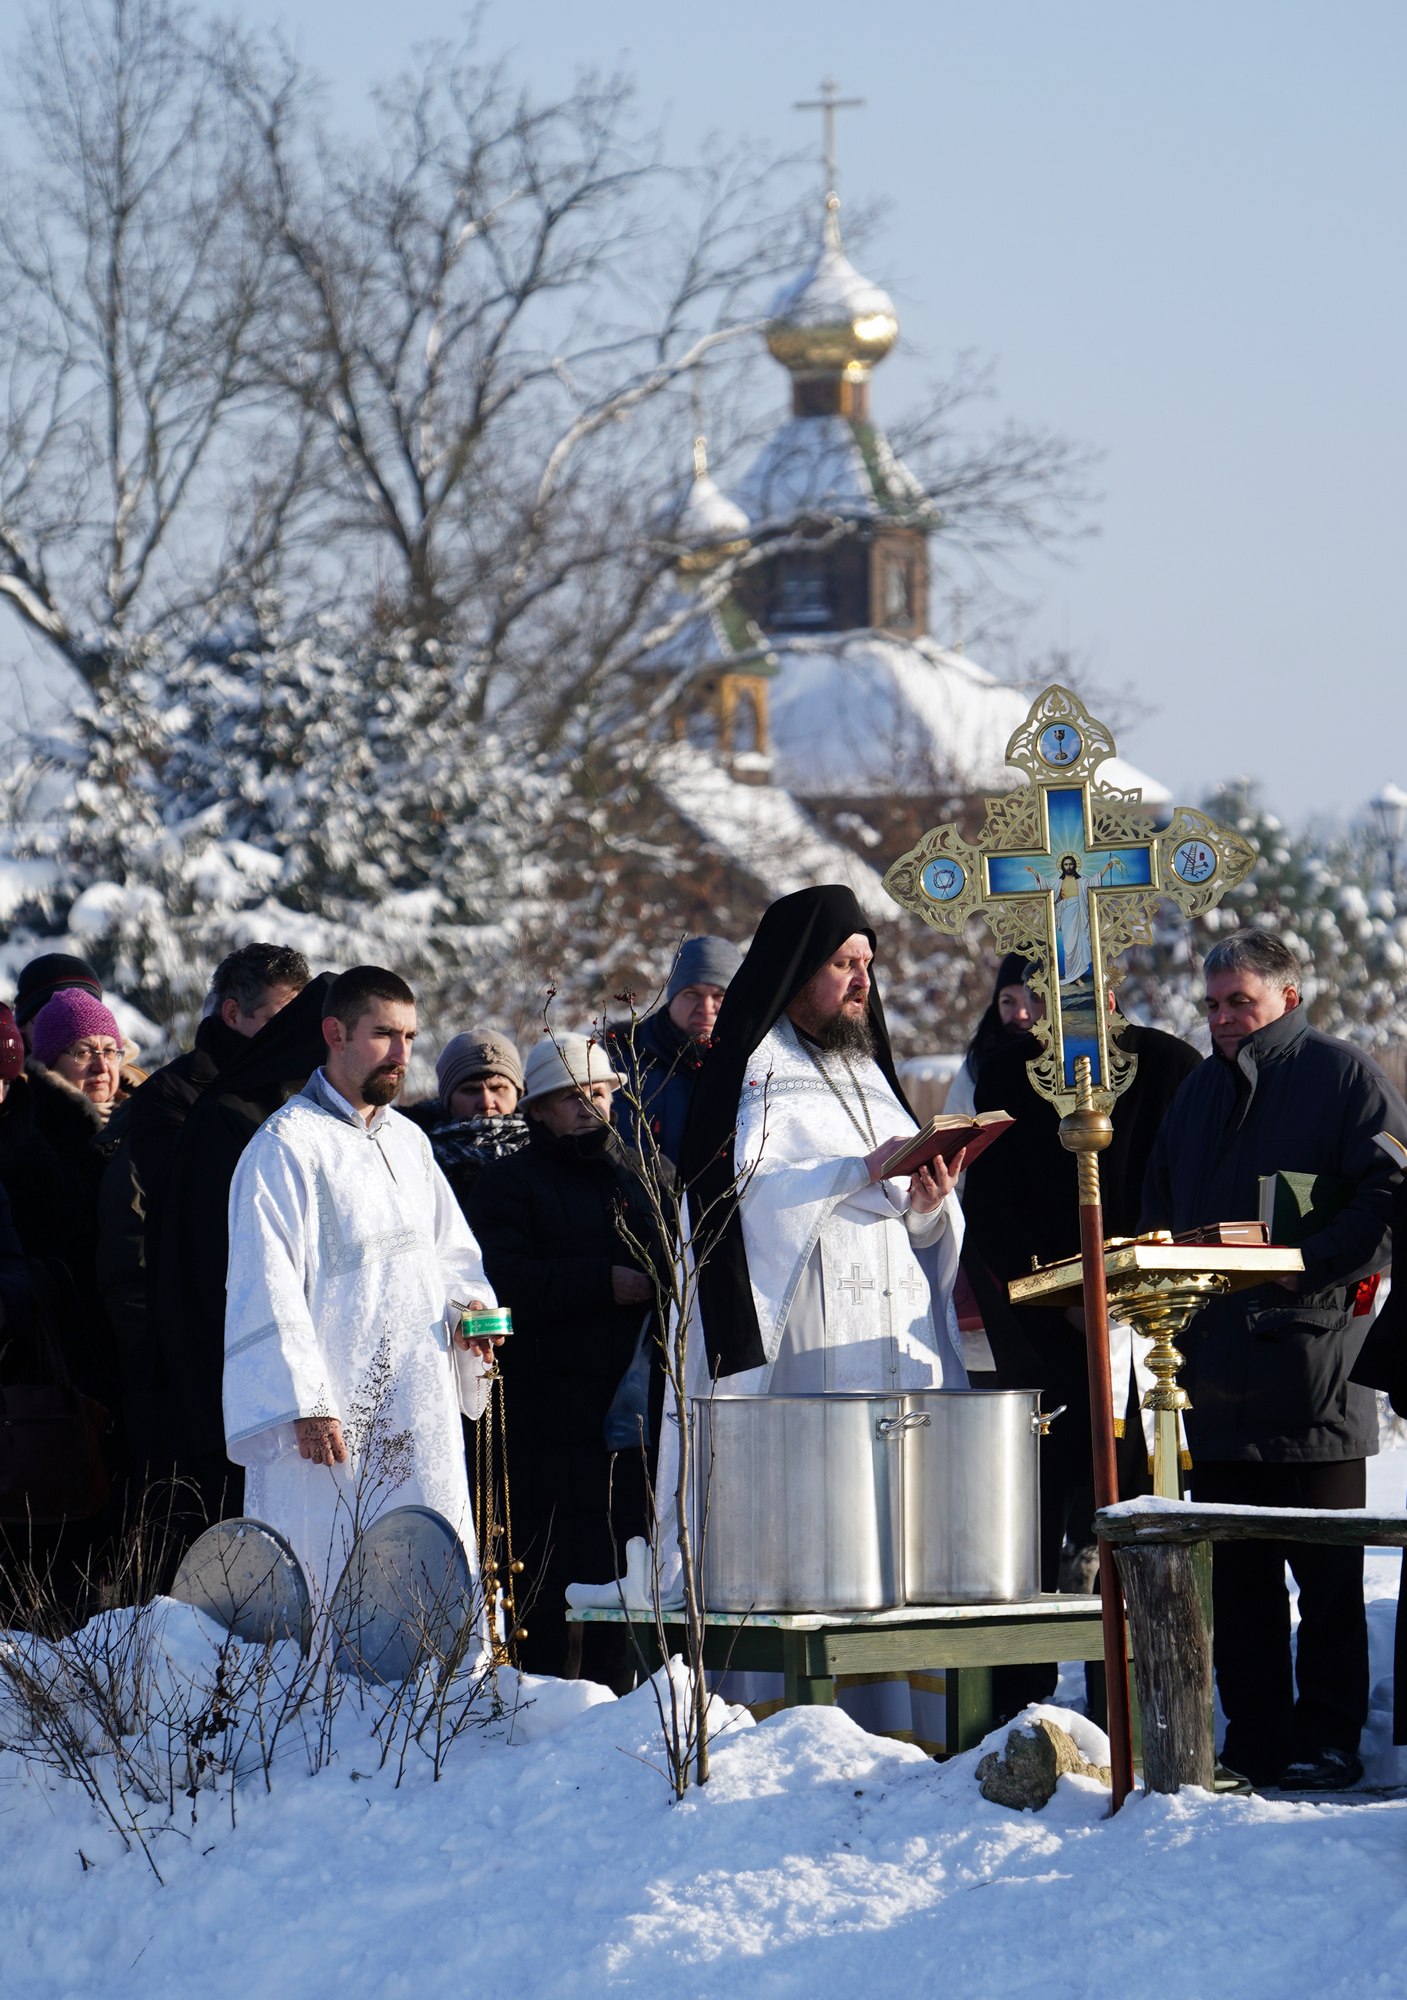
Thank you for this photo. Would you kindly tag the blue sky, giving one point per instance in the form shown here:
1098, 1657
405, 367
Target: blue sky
1177, 231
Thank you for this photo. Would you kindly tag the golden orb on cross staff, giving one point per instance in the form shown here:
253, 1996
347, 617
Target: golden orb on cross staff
1069, 872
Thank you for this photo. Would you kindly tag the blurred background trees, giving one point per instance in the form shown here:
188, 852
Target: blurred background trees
340, 483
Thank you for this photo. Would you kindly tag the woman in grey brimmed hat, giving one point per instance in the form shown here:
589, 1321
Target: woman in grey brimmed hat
555, 1224
475, 1117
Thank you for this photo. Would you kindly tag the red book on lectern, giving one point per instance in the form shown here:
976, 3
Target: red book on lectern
945, 1137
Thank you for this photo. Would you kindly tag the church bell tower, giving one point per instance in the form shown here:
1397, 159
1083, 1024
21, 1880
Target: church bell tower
830, 469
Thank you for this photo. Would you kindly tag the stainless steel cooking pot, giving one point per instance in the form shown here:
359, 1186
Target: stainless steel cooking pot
972, 1495
804, 1501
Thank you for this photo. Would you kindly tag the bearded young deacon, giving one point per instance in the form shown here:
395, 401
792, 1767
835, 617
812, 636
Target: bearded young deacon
346, 1247
815, 1273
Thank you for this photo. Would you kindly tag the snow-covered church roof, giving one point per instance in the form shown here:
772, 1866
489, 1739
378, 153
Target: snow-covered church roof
862, 713
829, 465
762, 829
857, 710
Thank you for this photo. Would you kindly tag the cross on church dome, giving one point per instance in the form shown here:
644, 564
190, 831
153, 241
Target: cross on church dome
830, 320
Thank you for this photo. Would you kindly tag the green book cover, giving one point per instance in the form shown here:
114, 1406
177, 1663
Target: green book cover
1298, 1206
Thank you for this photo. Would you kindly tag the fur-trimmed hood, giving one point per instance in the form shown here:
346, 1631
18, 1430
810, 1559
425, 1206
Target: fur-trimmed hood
54, 1151
62, 1113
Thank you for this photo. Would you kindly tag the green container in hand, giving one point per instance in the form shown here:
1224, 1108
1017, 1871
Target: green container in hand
486, 1325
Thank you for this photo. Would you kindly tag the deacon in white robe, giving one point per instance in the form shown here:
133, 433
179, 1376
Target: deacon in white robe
343, 1382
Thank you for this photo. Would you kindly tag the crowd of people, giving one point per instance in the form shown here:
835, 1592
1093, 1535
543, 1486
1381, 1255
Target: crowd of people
202, 1269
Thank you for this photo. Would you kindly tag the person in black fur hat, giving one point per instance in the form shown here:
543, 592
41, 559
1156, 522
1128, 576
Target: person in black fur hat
43, 977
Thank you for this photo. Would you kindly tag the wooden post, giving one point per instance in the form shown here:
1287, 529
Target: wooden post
1165, 1557
803, 1685
1086, 1132
967, 1695
1169, 1591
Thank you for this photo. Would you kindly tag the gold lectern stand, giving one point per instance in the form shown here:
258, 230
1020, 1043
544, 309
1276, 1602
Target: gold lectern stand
1158, 1286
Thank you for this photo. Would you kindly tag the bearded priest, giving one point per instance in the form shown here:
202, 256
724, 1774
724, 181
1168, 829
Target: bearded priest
345, 1370
815, 1273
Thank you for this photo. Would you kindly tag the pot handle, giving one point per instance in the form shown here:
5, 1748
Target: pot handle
893, 1427
1041, 1420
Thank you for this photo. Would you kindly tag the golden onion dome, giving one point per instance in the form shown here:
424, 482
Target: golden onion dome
830, 319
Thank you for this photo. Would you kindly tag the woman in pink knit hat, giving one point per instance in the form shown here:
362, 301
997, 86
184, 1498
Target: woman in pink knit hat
78, 1038
55, 1147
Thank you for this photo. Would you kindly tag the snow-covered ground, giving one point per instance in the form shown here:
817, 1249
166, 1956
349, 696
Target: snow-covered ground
818, 1862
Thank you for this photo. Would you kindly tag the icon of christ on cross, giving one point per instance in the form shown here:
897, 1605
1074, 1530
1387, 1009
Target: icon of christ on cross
1072, 871
1069, 871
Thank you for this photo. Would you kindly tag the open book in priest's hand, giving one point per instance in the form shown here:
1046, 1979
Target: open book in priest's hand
944, 1138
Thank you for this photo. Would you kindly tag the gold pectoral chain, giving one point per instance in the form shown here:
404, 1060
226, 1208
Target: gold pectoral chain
840, 1094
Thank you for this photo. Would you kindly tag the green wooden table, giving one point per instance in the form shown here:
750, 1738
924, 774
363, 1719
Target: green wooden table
965, 1641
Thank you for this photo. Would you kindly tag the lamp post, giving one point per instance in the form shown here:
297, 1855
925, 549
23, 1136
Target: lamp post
1389, 809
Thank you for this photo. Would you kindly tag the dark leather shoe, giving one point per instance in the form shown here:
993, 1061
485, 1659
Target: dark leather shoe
1330, 1771
1231, 1784
1246, 1776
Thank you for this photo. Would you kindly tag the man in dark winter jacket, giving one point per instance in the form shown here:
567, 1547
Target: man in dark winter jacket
660, 1055
1275, 1419
250, 986
186, 1296
248, 989
1022, 1202
552, 1223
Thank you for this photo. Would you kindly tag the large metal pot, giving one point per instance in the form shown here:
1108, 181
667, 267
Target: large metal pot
972, 1495
804, 1501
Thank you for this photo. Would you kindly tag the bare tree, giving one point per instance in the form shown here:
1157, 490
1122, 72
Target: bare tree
133, 304
484, 320
349, 479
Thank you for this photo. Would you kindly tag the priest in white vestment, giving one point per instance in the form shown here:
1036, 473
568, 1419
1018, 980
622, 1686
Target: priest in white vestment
819, 1273
816, 1273
345, 1375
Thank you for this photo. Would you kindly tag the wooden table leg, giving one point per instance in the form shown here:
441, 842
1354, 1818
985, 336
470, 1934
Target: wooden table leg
969, 1707
803, 1687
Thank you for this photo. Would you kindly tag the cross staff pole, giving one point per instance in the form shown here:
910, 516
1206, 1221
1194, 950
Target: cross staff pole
1085, 1133
1070, 872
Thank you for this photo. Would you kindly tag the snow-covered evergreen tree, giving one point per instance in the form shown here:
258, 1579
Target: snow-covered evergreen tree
314, 789
1318, 891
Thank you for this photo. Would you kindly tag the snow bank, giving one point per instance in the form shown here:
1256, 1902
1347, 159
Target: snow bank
818, 1862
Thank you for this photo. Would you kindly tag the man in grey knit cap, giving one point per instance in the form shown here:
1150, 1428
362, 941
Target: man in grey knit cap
475, 1117
662, 1056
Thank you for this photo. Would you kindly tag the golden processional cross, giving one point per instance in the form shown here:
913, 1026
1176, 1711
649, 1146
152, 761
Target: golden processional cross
1069, 872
